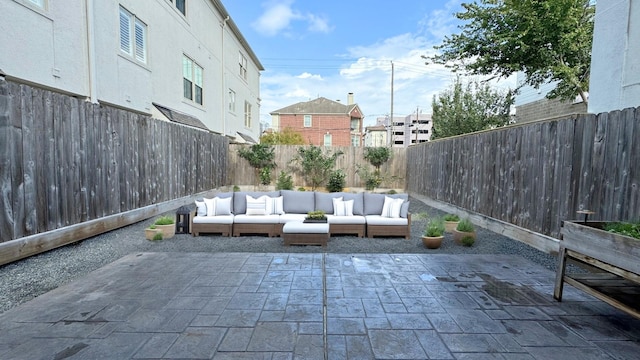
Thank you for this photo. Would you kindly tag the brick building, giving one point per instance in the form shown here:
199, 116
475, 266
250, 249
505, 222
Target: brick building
322, 122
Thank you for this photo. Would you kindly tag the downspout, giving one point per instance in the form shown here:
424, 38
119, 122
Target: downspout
223, 96
91, 51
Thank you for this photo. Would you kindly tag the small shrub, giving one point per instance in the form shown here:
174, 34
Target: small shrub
236, 188
435, 227
316, 215
152, 226
301, 189
468, 241
164, 220
451, 217
336, 181
465, 225
392, 192
285, 182
157, 236
624, 228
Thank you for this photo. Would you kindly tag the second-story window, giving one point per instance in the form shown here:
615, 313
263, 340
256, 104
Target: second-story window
327, 139
181, 5
133, 36
307, 121
247, 114
243, 66
192, 80
232, 101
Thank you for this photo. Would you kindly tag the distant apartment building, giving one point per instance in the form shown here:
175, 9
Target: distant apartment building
181, 60
322, 122
404, 131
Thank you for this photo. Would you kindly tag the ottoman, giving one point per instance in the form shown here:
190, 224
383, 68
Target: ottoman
299, 233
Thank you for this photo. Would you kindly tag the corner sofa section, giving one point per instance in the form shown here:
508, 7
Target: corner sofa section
364, 219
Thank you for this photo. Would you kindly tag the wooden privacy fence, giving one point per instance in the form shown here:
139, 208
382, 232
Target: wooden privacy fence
241, 173
65, 161
539, 174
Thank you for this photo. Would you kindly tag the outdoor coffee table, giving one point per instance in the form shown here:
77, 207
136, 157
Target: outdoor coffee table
299, 233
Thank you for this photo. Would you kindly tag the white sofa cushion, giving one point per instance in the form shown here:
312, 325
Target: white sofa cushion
221, 219
256, 206
252, 219
285, 218
275, 205
381, 220
391, 207
342, 208
346, 220
201, 208
296, 227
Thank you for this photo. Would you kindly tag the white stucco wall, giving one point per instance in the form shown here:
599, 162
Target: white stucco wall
45, 46
615, 64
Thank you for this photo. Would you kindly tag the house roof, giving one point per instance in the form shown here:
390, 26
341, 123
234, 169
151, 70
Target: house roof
180, 118
320, 105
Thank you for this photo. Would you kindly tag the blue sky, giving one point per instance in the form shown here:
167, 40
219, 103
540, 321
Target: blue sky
330, 48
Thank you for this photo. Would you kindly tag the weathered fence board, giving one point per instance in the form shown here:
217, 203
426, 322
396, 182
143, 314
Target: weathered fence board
536, 175
65, 161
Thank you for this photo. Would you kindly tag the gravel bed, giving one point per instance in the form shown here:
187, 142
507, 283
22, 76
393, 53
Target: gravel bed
25, 279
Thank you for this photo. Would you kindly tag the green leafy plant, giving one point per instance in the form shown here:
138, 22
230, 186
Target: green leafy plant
316, 215
152, 226
164, 220
468, 241
465, 225
371, 179
261, 158
236, 188
434, 228
377, 156
157, 236
392, 192
631, 229
301, 189
451, 217
336, 181
284, 182
315, 166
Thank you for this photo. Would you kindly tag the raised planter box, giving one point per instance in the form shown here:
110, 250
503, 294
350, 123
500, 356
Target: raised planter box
613, 259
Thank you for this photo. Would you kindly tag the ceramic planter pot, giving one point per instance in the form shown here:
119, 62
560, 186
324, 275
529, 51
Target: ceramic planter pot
167, 230
459, 235
449, 226
150, 233
432, 242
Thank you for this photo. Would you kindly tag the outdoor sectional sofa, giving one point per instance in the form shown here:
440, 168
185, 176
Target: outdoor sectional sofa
244, 212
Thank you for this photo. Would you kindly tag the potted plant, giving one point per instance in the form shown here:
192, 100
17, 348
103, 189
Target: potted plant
451, 222
166, 225
464, 229
151, 231
317, 216
433, 233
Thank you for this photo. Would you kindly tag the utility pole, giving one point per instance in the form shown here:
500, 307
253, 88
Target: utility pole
417, 122
391, 117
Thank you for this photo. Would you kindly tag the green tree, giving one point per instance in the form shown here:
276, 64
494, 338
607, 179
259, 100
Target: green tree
288, 136
261, 158
377, 156
547, 40
315, 166
467, 108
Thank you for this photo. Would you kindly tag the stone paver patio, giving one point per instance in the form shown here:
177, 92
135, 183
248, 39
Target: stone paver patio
316, 306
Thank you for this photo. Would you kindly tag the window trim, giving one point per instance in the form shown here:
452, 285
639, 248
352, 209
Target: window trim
193, 83
232, 101
247, 114
327, 136
136, 37
244, 64
304, 121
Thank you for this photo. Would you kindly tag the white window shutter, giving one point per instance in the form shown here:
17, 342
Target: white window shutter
125, 32
141, 46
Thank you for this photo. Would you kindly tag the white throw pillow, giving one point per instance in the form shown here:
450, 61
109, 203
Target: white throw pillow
257, 206
391, 207
275, 206
343, 208
211, 206
335, 201
201, 208
223, 206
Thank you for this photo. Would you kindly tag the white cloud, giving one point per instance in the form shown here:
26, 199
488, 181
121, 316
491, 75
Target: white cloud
279, 17
306, 75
